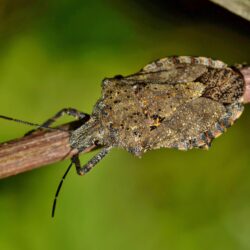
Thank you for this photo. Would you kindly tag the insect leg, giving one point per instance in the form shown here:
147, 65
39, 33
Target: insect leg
69, 111
87, 167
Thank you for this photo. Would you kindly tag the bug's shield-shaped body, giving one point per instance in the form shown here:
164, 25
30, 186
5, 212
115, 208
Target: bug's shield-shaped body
174, 102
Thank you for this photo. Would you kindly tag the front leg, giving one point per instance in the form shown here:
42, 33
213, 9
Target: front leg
69, 111
87, 167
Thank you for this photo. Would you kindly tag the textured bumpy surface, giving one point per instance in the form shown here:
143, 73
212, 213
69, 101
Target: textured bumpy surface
175, 102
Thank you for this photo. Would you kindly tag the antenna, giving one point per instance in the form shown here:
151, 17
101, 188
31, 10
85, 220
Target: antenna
59, 188
28, 123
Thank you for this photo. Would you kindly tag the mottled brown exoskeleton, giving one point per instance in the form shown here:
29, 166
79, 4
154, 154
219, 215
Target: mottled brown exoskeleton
175, 102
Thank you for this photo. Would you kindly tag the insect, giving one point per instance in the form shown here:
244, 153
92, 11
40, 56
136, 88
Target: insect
177, 102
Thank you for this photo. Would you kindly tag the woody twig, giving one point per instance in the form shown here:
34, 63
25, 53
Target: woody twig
36, 150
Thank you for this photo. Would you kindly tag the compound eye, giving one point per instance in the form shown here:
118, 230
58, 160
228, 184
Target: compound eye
118, 77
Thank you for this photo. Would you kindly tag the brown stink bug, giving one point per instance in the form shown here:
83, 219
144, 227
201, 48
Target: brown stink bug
174, 102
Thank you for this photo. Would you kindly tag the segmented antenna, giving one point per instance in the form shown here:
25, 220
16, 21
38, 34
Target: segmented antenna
59, 188
28, 123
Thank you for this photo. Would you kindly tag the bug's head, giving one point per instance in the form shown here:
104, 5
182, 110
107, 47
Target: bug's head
112, 81
86, 136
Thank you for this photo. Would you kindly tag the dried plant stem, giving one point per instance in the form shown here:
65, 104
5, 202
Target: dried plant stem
36, 150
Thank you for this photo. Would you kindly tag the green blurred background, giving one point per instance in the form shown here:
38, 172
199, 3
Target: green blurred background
54, 54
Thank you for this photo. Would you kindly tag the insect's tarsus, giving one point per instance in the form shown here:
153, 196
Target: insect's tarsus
59, 188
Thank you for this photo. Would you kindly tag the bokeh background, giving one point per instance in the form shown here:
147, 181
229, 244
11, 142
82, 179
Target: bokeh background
54, 54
